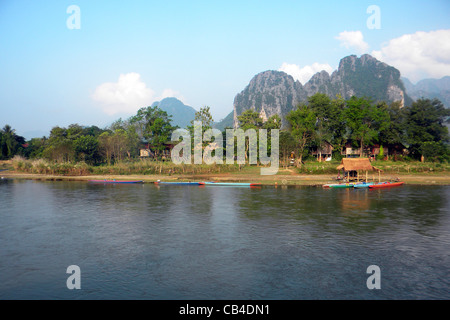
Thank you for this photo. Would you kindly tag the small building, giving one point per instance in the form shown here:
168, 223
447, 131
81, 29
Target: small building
324, 153
390, 151
349, 152
357, 168
150, 151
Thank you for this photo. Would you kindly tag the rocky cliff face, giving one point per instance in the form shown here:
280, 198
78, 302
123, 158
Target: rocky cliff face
270, 92
276, 92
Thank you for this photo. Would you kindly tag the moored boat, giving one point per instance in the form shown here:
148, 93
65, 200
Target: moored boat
362, 185
177, 182
339, 185
386, 185
116, 181
235, 184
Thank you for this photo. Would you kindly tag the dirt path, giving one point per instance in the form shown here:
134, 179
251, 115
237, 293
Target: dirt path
285, 178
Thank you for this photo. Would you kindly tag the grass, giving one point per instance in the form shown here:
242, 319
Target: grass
149, 167
140, 167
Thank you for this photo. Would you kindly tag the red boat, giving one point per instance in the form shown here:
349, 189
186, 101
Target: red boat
385, 185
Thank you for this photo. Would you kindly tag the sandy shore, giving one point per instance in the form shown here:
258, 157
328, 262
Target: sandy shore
282, 178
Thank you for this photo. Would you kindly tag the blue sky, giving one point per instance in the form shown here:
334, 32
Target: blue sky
128, 54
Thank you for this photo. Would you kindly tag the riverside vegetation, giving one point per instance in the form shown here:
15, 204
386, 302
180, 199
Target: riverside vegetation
80, 150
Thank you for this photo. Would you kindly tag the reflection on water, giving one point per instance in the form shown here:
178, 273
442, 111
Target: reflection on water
187, 242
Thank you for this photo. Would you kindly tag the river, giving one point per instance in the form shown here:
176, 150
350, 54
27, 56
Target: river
188, 242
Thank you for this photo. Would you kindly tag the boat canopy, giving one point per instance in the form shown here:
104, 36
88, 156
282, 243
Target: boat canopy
357, 164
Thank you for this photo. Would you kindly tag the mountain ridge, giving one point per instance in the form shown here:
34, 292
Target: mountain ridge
182, 114
277, 92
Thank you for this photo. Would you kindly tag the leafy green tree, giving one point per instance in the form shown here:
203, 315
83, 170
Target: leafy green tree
425, 120
35, 148
250, 119
287, 145
274, 122
154, 127
365, 120
10, 142
60, 146
86, 149
204, 120
395, 131
303, 125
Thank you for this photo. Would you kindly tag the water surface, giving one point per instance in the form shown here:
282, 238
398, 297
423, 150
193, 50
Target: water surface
190, 242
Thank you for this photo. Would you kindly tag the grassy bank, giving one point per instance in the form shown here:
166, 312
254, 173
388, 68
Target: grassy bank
138, 167
311, 173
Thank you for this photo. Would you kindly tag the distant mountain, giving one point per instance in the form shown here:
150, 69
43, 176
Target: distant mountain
430, 89
276, 92
182, 115
226, 122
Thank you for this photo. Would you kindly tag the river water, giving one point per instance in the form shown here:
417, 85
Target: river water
189, 242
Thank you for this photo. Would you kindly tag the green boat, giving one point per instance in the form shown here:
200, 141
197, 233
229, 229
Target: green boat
339, 185
234, 184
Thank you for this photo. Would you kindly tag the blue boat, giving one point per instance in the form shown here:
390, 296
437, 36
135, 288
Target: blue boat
234, 184
176, 183
116, 181
362, 185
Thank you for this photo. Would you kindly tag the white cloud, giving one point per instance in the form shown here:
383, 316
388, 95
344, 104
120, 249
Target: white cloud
128, 94
353, 40
419, 55
304, 74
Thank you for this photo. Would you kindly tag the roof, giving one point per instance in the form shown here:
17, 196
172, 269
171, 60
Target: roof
356, 164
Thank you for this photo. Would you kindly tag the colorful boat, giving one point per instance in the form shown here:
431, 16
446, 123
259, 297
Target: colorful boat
177, 182
386, 185
116, 181
339, 185
234, 184
363, 185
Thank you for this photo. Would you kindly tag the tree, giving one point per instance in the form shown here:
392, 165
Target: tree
365, 120
433, 151
395, 132
86, 149
59, 146
425, 120
287, 145
250, 119
204, 120
10, 142
303, 124
154, 127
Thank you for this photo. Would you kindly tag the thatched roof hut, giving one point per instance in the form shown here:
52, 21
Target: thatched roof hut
358, 165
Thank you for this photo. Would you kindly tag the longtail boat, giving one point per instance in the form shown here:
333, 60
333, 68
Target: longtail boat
235, 184
339, 185
363, 185
177, 183
385, 185
116, 181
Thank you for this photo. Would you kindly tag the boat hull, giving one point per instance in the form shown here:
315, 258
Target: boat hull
363, 185
385, 185
116, 181
176, 183
234, 184
339, 185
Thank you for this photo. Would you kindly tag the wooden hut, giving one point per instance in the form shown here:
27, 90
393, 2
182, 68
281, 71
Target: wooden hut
354, 167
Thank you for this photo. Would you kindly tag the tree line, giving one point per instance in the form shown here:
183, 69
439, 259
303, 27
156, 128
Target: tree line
359, 121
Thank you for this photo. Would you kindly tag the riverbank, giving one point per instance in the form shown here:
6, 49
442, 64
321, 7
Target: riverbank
311, 173
284, 177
